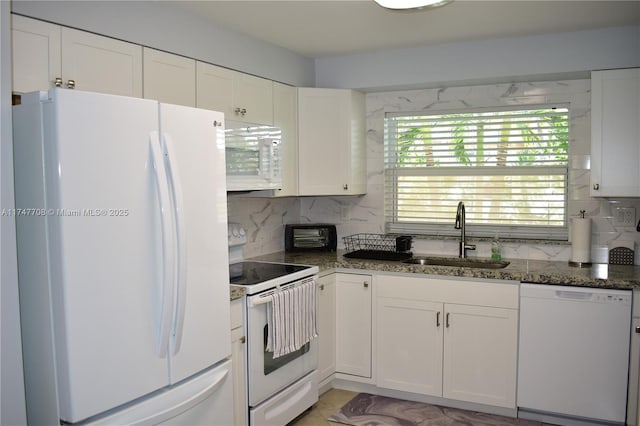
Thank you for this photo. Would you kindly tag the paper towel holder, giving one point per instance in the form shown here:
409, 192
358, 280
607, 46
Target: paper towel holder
578, 264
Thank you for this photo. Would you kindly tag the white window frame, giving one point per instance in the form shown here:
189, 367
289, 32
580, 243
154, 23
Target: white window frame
446, 228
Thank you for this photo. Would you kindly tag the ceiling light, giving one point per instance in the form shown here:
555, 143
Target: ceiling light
412, 4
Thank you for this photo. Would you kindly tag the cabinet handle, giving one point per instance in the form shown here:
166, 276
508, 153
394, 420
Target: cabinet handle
71, 84
366, 284
637, 329
345, 186
596, 186
447, 320
217, 123
243, 340
241, 111
438, 319
321, 287
58, 82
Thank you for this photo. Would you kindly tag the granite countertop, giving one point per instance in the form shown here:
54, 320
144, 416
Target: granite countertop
236, 291
534, 271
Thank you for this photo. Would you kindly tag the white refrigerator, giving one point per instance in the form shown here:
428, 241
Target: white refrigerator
123, 260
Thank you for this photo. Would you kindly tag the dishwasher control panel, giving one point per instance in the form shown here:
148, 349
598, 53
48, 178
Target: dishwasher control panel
624, 299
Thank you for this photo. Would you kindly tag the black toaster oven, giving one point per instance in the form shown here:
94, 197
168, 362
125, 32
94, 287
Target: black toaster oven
310, 237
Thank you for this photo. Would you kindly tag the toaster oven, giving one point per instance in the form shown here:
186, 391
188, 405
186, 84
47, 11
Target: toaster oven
310, 237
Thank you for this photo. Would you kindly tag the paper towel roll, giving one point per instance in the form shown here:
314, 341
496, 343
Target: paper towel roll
581, 240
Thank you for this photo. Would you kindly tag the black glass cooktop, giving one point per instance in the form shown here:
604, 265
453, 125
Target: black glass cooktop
251, 273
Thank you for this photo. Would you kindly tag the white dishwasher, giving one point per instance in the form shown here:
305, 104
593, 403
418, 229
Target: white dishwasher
574, 354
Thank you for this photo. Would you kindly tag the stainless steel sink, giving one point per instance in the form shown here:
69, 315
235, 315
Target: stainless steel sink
456, 261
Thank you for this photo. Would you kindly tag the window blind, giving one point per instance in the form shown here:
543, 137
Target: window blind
508, 165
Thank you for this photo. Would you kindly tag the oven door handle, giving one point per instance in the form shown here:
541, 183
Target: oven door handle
259, 300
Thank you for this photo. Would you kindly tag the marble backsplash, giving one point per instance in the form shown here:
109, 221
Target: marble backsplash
264, 218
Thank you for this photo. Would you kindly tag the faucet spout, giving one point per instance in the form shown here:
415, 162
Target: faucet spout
461, 225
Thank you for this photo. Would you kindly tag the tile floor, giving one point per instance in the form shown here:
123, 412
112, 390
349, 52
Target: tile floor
328, 404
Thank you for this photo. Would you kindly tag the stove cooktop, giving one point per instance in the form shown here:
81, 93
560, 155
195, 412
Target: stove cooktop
259, 276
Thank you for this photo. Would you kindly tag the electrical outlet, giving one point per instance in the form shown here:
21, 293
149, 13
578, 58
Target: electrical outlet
345, 213
624, 216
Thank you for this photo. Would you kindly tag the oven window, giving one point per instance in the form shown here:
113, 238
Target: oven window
272, 364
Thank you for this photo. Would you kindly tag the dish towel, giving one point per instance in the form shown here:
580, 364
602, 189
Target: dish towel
291, 318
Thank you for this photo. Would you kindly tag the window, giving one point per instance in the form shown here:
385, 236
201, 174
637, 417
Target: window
509, 167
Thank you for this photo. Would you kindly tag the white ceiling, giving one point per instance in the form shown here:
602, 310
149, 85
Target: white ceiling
340, 27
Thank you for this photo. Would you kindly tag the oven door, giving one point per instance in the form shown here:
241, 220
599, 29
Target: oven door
266, 374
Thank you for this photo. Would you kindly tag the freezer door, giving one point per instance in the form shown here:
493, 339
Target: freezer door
202, 400
194, 143
104, 249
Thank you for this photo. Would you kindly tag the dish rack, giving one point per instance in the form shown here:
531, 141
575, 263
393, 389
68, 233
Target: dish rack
377, 246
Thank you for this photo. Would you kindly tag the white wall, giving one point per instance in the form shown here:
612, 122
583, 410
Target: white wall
159, 25
12, 408
533, 58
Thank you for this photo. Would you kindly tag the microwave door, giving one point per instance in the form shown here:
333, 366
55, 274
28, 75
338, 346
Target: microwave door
252, 157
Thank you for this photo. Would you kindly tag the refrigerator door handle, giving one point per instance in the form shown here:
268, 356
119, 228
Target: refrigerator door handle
178, 214
168, 244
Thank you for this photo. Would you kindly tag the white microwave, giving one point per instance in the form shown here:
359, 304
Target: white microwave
252, 153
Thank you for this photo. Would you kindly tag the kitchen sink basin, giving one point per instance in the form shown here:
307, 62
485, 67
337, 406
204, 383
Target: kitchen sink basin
456, 261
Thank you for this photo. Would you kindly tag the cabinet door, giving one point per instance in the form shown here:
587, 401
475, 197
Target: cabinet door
285, 116
409, 340
480, 354
238, 357
101, 64
353, 324
214, 88
238, 360
323, 137
326, 326
169, 78
35, 54
254, 95
331, 148
615, 133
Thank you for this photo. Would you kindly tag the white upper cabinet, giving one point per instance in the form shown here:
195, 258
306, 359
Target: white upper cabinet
615, 133
241, 97
46, 55
214, 88
101, 64
285, 116
35, 54
253, 97
169, 78
331, 142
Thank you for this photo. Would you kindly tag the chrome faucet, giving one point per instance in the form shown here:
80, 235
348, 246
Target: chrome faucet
460, 224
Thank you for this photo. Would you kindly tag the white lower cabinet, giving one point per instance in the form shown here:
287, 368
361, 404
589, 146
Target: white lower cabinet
480, 354
326, 327
454, 339
409, 345
239, 364
353, 324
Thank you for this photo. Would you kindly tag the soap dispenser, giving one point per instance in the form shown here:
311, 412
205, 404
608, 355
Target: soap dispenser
496, 250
